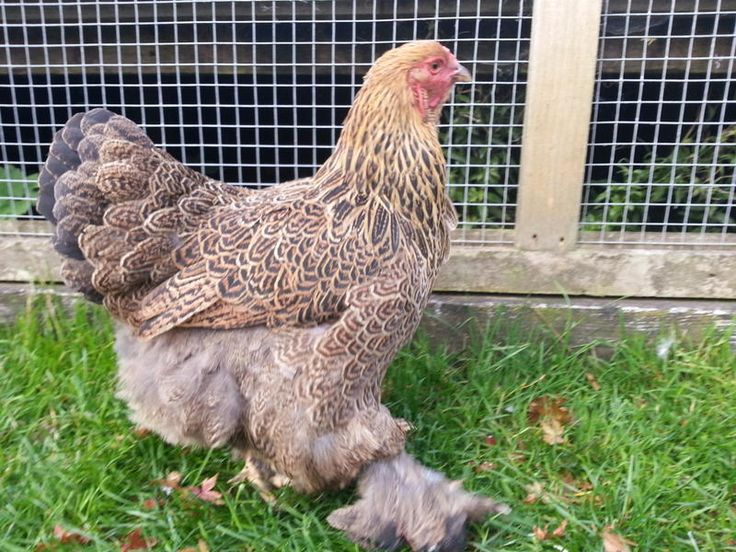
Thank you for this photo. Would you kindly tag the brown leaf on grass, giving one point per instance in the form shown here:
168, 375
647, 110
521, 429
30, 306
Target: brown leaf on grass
170, 482
136, 541
544, 534
67, 537
559, 532
552, 432
140, 431
484, 467
518, 457
552, 417
201, 547
613, 542
578, 486
534, 491
578, 490
150, 504
490, 440
593, 382
204, 491
549, 407
51, 424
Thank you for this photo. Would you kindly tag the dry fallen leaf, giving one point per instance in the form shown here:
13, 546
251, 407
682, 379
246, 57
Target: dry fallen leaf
170, 482
490, 440
518, 457
578, 490
136, 541
544, 534
593, 382
201, 547
552, 417
549, 407
560, 531
552, 432
615, 543
484, 467
535, 491
66, 537
578, 486
150, 504
204, 491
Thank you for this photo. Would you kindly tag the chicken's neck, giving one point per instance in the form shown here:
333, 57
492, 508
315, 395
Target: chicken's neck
389, 155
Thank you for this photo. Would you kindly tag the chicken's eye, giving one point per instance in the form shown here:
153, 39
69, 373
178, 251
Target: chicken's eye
435, 66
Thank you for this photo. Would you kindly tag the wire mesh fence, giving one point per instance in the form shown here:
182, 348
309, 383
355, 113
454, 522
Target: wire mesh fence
663, 134
255, 92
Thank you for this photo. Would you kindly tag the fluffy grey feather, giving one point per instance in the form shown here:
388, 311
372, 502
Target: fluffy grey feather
227, 388
403, 502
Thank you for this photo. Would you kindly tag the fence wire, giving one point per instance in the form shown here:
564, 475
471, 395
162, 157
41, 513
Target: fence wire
255, 92
663, 134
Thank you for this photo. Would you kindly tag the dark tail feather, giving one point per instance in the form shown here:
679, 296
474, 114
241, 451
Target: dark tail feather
62, 157
119, 207
69, 197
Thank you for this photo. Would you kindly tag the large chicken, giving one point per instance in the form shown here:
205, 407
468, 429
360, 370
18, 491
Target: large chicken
265, 320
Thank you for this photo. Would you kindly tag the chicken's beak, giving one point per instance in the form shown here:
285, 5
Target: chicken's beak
462, 74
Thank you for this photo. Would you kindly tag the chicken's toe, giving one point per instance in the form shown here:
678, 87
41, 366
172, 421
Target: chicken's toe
259, 475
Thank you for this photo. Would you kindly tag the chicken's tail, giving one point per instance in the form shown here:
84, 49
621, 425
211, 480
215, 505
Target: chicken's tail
119, 207
403, 502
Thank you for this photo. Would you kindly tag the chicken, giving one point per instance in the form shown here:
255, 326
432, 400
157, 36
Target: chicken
265, 320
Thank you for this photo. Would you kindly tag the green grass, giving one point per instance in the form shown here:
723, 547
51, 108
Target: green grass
652, 452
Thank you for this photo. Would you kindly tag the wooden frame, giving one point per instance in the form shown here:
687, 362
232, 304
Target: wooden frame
564, 47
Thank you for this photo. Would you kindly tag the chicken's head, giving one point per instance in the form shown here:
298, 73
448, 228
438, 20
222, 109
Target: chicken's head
427, 68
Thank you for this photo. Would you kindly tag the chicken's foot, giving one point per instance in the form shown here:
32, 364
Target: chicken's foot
261, 476
403, 502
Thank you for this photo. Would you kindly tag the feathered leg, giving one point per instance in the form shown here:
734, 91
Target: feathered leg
402, 501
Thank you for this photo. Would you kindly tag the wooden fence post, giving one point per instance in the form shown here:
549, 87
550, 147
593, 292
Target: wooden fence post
562, 59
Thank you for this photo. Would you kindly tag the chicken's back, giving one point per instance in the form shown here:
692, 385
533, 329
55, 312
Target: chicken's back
162, 246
